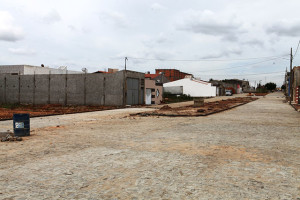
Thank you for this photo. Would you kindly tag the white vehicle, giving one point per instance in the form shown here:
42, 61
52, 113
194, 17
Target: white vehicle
228, 92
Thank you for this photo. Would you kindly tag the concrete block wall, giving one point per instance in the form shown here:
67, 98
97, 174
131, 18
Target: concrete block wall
27, 89
75, 89
66, 89
2, 88
57, 89
95, 84
41, 93
114, 89
12, 89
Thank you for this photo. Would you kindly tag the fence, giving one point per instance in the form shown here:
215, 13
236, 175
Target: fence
66, 89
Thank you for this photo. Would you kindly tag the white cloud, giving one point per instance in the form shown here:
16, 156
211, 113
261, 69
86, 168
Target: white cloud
52, 17
8, 30
225, 53
115, 18
254, 42
22, 51
286, 28
157, 7
157, 40
208, 23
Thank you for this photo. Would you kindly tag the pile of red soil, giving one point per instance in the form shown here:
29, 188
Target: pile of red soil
7, 111
207, 109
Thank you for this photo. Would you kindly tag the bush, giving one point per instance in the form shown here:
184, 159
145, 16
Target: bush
173, 98
270, 86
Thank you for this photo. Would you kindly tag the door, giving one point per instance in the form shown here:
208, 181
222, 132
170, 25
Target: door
132, 91
148, 96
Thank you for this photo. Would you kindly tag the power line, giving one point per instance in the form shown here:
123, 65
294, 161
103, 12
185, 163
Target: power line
240, 65
242, 74
204, 60
297, 49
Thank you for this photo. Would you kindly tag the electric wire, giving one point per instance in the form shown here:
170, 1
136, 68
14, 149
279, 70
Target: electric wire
242, 74
204, 60
240, 65
297, 49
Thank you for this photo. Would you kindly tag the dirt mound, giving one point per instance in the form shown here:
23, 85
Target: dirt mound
207, 109
7, 111
166, 107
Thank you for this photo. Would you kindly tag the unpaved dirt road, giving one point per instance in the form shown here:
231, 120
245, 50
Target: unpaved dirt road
249, 152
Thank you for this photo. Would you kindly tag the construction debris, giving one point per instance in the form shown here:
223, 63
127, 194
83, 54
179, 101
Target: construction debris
7, 111
207, 109
10, 138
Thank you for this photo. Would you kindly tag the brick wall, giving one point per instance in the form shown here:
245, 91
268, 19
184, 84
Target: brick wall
297, 96
172, 74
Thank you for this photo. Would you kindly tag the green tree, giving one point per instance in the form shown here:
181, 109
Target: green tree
270, 86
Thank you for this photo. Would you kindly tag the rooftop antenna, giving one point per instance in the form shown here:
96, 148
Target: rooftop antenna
125, 62
85, 70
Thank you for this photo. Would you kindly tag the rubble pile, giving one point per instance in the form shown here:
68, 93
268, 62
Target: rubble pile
10, 138
207, 109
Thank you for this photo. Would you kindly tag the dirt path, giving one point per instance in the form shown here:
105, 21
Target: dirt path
249, 152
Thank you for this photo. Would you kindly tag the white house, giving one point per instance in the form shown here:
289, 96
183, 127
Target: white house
192, 87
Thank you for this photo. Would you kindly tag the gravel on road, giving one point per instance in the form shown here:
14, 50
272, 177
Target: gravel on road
249, 152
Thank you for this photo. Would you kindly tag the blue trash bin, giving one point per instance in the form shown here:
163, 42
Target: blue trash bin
21, 124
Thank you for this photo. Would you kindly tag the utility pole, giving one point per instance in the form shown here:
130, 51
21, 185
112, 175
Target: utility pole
291, 77
125, 85
125, 62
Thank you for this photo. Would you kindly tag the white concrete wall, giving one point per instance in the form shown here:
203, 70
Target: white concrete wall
12, 69
30, 70
194, 88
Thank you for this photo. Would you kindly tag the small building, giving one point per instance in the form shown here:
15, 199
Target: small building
153, 92
172, 74
296, 85
30, 69
235, 85
191, 87
159, 79
286, 83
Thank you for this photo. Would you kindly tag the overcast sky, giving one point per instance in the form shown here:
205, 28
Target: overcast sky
210, 39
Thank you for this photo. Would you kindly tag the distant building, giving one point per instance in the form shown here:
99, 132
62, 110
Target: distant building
235, 85
220, 91
29, 69
286, 83
172, 74
159, 79
296, 85
109, 70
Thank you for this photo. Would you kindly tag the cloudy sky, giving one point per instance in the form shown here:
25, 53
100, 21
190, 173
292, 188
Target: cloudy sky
249, 39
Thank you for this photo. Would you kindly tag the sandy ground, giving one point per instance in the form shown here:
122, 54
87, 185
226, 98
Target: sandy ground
249, 152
